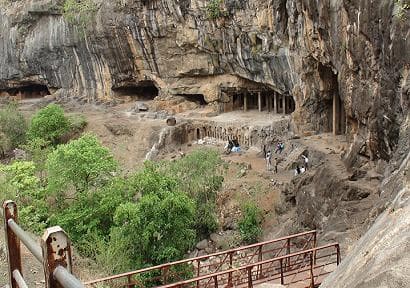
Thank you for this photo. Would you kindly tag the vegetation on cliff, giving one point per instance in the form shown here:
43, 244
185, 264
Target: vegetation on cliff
155, 214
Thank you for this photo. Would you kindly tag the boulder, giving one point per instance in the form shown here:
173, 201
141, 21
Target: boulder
202, 245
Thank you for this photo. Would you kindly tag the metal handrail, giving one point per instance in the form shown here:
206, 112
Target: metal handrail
31, 245
19, 279
66, 279
199, 258
54, 259
250, 266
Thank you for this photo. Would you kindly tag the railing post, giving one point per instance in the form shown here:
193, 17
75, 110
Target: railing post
282, 280
198, 268
250, 283
259, 269
314, 246
216, 281
230, 267
312, 277
12, 241
56, 249
287, 253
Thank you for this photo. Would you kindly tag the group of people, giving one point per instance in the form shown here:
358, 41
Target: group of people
268, 156
232, 146
300, 170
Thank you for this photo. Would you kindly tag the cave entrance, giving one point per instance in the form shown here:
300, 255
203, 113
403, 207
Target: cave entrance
338, 116
329, 86
197, 98
143, 90
263, 99
32, 91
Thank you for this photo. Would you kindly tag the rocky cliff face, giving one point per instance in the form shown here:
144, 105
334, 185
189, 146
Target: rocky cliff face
354, 51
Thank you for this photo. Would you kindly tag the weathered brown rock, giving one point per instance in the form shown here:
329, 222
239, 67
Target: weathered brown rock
314, 51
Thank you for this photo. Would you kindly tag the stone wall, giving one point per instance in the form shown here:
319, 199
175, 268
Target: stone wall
356, 51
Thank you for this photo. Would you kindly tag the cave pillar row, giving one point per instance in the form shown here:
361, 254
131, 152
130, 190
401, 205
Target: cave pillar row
284, 104
245, 101
259, 102
275, 103
269, 102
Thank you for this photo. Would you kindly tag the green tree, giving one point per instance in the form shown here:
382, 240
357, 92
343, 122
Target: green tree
250, 223
156, 229
49, 124
21, 176
81, 164
200, 175
13, 128
18, 182
92, 214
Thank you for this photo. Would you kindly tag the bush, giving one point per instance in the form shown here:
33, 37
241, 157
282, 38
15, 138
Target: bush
79, 12
250, 223
49, 124
157, 229
77, 123
200, 175
81, 164
13, 128
19, 183
213, 9
92, 214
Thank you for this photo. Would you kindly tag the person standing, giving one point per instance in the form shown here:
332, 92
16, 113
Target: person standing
306, 159
268, 159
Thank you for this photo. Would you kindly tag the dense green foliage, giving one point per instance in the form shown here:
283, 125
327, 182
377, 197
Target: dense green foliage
13, 128
81, 164
250, 223
154, 214
79, 12
214, 9
49, 124
200, 175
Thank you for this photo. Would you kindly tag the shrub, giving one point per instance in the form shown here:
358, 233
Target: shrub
200, 175
19, 183
79, 12
49, 124
82, 164
250, 223
77, 123
157, 229
92, 214
13, 128
214, 9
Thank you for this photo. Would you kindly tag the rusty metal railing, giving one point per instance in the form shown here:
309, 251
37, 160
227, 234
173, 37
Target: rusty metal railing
287, 260
54, 252
273, 270
212, 263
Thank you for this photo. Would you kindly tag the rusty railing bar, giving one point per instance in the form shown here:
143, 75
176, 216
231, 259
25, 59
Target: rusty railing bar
198, 258
66, 279
19, 279
31, 245
246, 267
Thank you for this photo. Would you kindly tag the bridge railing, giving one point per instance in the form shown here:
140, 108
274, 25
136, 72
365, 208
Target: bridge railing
211, 263
300, 268
54, 252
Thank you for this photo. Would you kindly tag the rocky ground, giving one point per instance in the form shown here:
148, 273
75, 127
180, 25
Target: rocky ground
327, 197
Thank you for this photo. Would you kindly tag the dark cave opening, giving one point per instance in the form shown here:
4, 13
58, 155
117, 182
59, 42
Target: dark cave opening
335, 112
144, 90
31, 91
197, 98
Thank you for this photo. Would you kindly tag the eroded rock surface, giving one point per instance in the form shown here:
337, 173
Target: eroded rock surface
353, 51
